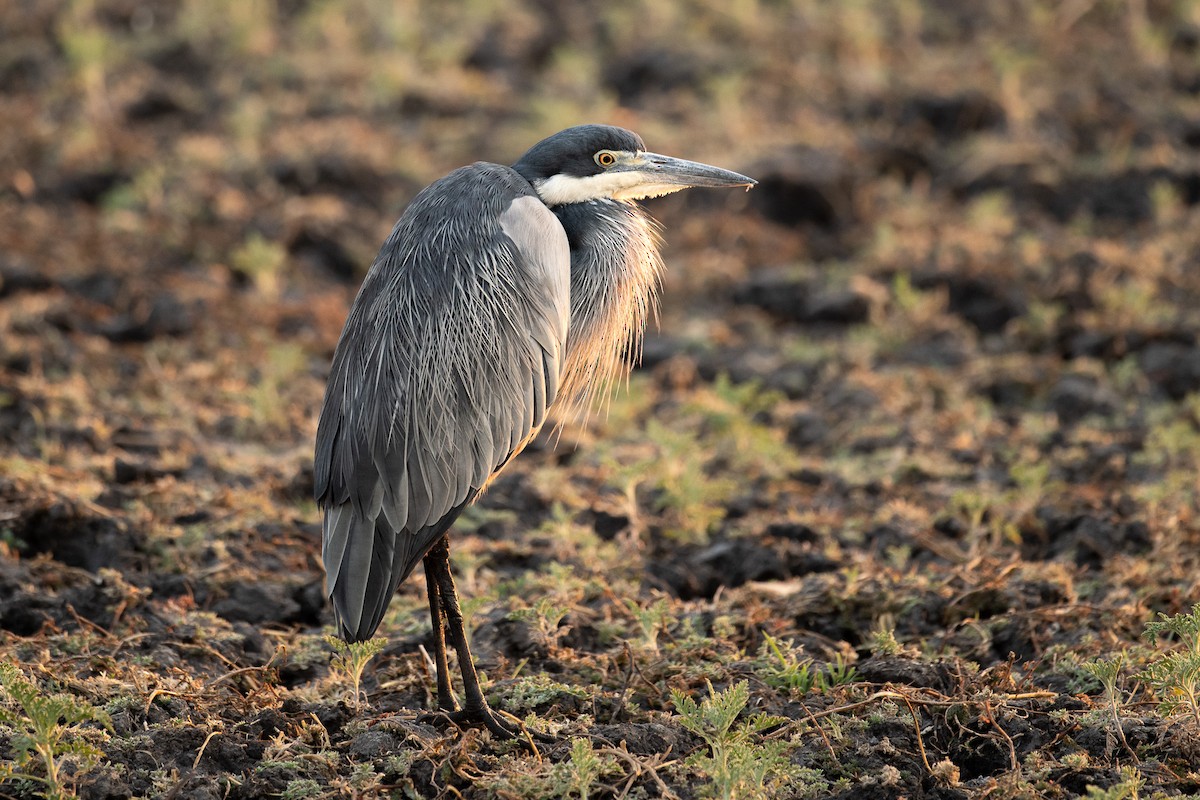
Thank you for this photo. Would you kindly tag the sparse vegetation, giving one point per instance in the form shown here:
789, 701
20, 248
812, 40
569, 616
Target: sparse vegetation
912, 458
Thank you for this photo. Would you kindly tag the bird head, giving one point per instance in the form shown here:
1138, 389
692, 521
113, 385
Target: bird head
604, 162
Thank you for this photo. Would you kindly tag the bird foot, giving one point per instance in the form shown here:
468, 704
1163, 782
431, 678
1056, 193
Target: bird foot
485, 717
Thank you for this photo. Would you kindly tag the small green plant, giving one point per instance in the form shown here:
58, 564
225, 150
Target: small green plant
1107, 671
268, 396
883, 640
915, 307
524, 694
350, 658
545, 617
652, 620
91, 52
1128, 788
732, 415
739, 763
302, 788
784, 668
364, 780
261, 260
692, 499
839, 673
681, 460
1176, 676
576, 775
46, 726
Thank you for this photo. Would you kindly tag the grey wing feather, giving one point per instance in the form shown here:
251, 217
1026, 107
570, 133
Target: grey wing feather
449, 362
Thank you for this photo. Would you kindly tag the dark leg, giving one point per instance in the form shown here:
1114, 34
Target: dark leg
446, 701
477, 711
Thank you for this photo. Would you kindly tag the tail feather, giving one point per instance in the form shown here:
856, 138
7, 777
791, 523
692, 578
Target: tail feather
351, 578
383, 580
366, 560
335, 536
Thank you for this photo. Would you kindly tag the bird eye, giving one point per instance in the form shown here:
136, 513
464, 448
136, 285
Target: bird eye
605, 158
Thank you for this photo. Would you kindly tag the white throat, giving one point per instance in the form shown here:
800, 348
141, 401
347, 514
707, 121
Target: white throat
560, 190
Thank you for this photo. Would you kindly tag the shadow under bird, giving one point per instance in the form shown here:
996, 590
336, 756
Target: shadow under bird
502, 294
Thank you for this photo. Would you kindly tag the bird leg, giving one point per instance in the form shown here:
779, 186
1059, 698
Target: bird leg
446, 701
477, 711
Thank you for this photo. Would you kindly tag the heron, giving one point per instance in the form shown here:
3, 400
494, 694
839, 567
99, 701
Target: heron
502, 295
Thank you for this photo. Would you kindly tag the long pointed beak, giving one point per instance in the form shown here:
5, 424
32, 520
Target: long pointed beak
671, 171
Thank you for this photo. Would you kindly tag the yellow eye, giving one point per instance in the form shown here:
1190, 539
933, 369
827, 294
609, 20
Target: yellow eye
605, 158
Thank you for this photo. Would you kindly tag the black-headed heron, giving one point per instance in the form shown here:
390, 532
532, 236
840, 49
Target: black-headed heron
502, 294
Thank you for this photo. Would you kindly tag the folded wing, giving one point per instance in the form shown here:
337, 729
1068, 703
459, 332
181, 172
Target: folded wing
447, 366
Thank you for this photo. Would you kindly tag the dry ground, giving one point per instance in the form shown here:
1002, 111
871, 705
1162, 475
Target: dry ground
910, 465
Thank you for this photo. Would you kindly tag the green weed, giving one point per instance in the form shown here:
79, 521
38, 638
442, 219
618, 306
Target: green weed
688, 452
574, 776
475, 516
1128, 788
364, 781
471, 608
992, 213
91, 53
247, 29
733, 415
1176, 676
916, 306
784, 668
528, 693
883, 640
46, 727
740, 763
651, 620
262, 260
351, 658
839, 673
1107, 671
693, 500
268, 397
301, 788
993, 515
545, 617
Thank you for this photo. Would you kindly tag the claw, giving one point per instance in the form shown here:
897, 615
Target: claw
487, 718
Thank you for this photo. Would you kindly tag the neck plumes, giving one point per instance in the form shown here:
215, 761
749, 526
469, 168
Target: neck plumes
615, 277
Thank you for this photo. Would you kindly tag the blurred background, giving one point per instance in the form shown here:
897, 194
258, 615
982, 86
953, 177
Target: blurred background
998, 196
940, 366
